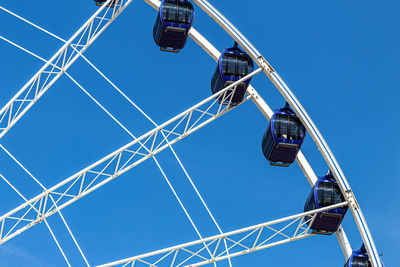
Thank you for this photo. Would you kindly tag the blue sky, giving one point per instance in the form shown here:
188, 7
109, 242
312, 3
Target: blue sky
339, 58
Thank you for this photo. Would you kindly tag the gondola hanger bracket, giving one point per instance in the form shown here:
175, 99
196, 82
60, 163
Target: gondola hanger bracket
352, 200
265, 65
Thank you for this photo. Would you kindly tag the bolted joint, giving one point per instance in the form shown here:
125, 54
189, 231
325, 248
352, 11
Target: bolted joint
265, 65
251, 92
40, 220
352, 200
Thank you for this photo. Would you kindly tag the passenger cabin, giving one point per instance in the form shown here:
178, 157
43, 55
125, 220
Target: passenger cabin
174, 20
233, 65
101, 2
359, 258
325, 193
283, 138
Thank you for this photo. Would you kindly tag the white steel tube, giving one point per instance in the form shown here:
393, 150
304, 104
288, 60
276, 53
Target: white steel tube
306, 120
53, 58
267, 112
150, 133
144, 136
260, 103
48, 226
247, 229
55, 55
33, 24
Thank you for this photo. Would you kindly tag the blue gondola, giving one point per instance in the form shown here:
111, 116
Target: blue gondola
101, 2
359, 258
325, 193
283, 138
233, 65
174, 20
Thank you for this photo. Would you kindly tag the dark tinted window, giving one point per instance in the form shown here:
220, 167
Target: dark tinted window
337, 195
216, 81
288, 127
267, 142
177, 13
325, 194
157, 29
310, 203
329, 194
237, 65
360, 262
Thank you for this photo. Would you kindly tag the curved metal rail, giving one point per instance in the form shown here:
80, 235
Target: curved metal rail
257, 99
267, 112
307, 122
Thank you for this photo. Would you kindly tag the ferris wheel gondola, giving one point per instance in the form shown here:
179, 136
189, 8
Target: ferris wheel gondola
325, 193
174, 20
283, 138
359, 258
101, 2
288, 133
233, 65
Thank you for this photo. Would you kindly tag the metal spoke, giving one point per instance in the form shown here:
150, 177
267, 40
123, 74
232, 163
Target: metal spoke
52, 199
312, 129
166, 138
154, 157
47, 225
161, 137
74, 184
57, 65
242, 239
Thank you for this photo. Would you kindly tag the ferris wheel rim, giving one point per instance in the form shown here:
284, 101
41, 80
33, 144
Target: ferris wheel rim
267, 69
305, 118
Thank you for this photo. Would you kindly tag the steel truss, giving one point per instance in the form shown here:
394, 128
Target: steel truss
117, 163
267, 112
241, 242
312, 129
58, 64
110, 167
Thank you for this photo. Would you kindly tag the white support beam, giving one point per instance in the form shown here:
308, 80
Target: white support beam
117, 163
51, 198
308, 123
60, 62
267, 112
199, 39
241, 242
47, 224
304, 166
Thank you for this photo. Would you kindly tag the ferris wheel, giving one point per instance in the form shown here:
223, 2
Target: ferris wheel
330, 198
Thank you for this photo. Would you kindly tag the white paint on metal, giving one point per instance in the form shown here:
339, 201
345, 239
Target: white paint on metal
243, 241
269, 71
307, 122
106, 169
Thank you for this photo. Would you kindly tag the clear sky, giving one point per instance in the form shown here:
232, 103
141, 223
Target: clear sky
340, 58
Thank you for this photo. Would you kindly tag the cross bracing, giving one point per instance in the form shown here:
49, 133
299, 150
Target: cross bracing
240, 242
117, 163
59, 63
22, 109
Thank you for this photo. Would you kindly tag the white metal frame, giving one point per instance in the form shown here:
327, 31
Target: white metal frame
241, 242
267, 112
60, 62
45, 221
115, 164
74, 48
123, 127
108, 113
307, 122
